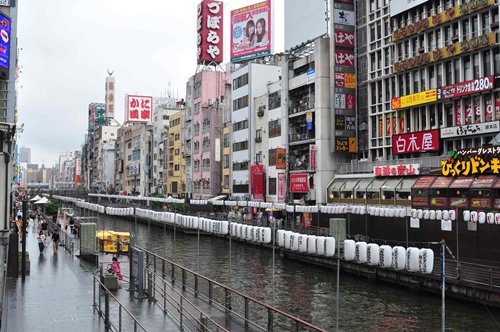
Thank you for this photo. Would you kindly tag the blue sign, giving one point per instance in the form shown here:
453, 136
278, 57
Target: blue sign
4, 41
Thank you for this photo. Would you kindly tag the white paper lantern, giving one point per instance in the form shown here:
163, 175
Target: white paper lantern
453, 215
432, 214
420, 213
490, 218
497, 218
473, 216
482, 217
426, 214
466, 215
446, 215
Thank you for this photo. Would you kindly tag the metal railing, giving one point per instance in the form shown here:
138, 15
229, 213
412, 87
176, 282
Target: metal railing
183, 309
115, 315
253, 313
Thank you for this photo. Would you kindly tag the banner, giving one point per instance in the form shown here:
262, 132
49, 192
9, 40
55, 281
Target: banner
281, 188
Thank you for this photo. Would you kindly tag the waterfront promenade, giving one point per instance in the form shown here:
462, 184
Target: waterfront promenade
57, 295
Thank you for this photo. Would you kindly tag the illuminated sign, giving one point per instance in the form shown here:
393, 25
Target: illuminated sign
299, 183
397, 170
341, 16
415, 99
467, 87
281, 188
445, 52
345, 80
251, 31
471, 129
312, 156
257, 182
422, 141
344, 38
341, 144
472, 161
138, 109
210, 32
4, 46
110, 97
345, 58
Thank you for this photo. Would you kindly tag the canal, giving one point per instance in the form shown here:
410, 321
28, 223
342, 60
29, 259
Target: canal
307, 291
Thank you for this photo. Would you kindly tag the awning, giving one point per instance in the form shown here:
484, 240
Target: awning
462, 182
485, 181
349, 184
216, 198
423, 182
406, 184
42, 201
442, 182
376, 184
336, 184
363, 184
391, 184
36, 198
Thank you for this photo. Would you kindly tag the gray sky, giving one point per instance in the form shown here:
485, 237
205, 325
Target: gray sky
67, 46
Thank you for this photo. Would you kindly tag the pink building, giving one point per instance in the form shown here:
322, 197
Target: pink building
203, 133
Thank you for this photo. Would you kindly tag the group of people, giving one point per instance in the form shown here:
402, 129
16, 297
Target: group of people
256, 33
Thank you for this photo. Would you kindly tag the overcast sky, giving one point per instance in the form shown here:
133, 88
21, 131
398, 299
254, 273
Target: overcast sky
67, 46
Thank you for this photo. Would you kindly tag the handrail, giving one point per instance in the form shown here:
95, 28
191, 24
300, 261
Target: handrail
107, 321
269, 308
183, 301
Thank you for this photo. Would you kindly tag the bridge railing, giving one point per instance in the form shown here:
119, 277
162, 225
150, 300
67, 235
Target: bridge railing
255, 314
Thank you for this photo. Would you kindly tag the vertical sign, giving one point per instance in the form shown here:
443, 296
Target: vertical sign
78, 171
312, 156
257, 182
281, 188
110, 97
4, 46
210, 32
138, 108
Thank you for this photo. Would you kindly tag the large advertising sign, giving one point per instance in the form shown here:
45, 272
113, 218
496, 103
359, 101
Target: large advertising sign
280, 158
210, 30
473, 161
299, 183
138, 108
468, 87
97, 115
78, 171
257, 183
422, 141
4, 46
110, 97
251, 31
414, 99
398, 6
344, 38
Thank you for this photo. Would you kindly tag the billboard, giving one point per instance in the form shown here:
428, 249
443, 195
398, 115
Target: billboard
4, 46
110, 97
468, 87
304, 20
257, 183
97, 115
415, 99
78, 171
138, 108
210, 29
398, 6
299, 183
251, 31
422, 141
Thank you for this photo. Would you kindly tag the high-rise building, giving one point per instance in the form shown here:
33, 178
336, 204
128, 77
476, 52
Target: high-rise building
25, 155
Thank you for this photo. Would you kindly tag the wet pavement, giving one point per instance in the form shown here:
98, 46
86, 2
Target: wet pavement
57, 295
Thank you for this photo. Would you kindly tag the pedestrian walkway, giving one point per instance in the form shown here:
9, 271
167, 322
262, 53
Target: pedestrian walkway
56, 295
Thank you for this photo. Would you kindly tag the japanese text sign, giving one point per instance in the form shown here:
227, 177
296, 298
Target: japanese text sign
397, 170
299, 183
344, 38
415, 142
345, 58
468, 87
251, 31
110, 97
139, 108
419, 98
210, 29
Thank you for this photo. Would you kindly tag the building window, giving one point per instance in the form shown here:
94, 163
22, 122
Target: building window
272, 186
240, 81
240, 146
225, 160
240, 103
274, 100
272, 157
274, 128
226, 140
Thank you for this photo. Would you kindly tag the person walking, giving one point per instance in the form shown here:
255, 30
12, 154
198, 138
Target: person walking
41, 241
55, 241
115, 266
45, 228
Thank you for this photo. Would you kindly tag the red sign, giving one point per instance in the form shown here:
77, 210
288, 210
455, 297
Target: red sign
344, 58
210, 32
468, 87
344, 38
421, 141
78, 171
312, 156
281, 188
299, 183
139, 109
397, 170
257, 182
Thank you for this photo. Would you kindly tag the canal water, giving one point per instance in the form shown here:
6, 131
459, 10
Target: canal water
307, 291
